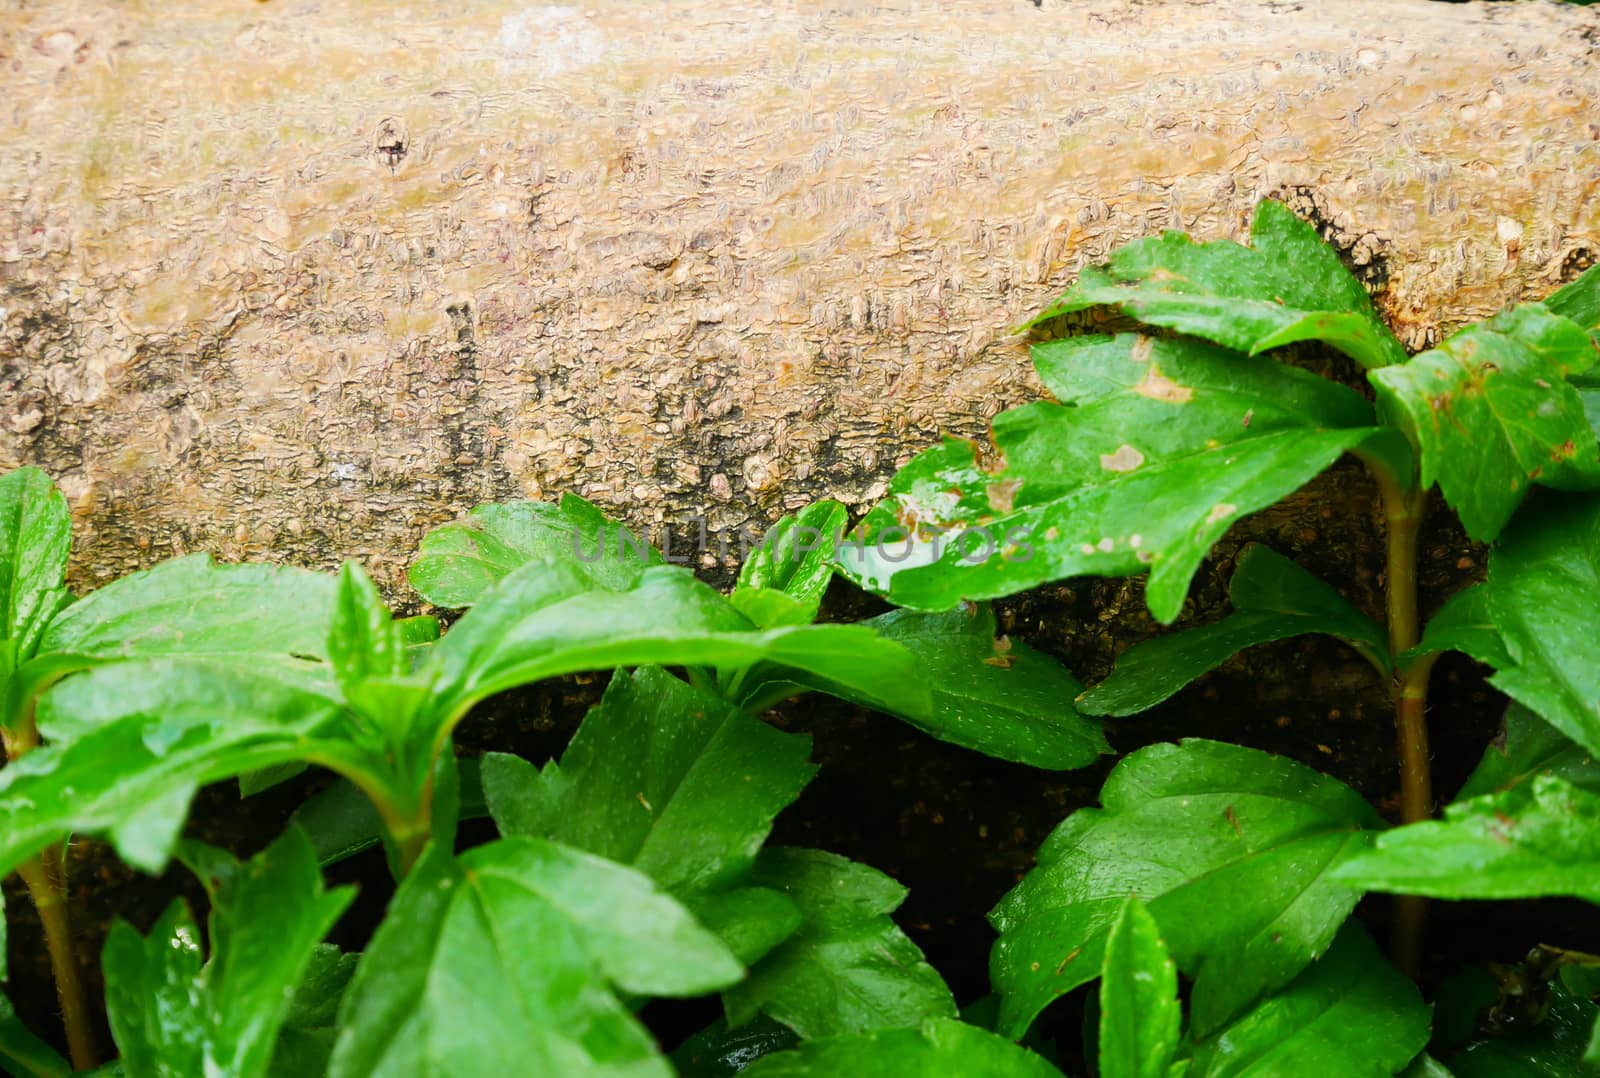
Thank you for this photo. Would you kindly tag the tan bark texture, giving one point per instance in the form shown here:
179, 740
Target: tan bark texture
301, 279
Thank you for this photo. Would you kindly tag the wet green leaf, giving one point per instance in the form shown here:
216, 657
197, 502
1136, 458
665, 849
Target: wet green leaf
750, 920
1465, 624
23, 1054
1157, 448
663, 777
181, 723
1579, 300
992, 694
720, 1052
1273, 598
363, 641
1527, 747
1232, 849
1492, 413
768, 609
1541, 837
457, 563
522, 799
35, 540
854, 662
1557, 1047
1349, 1014
309, 1025
937, 1047
173, 1016
188, 608
194, 607
499, 962
676, 783
160, 731
1425, 1066
1286, 286
1140, 1018
1544, 594
849, 968
545, 620
1588, 387
796, 556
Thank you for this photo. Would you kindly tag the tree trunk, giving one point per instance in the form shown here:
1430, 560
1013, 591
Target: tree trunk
298, 280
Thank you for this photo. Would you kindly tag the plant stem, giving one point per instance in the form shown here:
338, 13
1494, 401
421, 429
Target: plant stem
46, 883
408, 835
45, 877
408, 847
1403, 508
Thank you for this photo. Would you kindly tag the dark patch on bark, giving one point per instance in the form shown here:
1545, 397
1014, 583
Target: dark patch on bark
1365, 254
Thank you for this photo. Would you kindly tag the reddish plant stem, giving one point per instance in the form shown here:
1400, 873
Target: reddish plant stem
46, 882
45, 877
1403, 508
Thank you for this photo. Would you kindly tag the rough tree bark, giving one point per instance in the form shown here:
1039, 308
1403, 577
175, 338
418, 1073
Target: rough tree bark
299, 280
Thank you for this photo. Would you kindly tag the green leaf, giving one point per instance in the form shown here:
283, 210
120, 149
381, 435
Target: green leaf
850, 661
1559, 1046
1530, 746
181, 723
546, 620
750, 920
1273, 599
459, 562
444, 810
194, 607
522, 799
1465, 624
186, 608
1539, 838
1579, 300
768, 609
1140, 1017
676, 783
499, 961
1286, 286
937, 1047
363, 642
849, 968
796, 556
1157, 448
417, 632
1544, 592
1588, 387
1349, 1014
663, 777
170, 1015
305, 1042
161, 730
720, 1052
35, 540
25, 1055
1492, 413
993, 694
1233, 850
